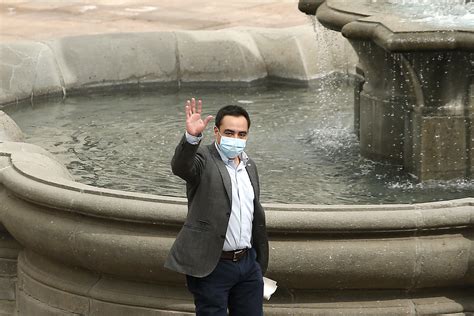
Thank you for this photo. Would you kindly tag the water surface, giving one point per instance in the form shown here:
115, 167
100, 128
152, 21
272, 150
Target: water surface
301, 139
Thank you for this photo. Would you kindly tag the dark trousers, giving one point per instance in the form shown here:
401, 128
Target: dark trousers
237, 286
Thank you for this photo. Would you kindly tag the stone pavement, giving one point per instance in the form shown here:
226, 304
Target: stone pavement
40, 20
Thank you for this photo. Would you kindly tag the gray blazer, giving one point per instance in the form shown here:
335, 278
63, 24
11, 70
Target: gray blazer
198, 246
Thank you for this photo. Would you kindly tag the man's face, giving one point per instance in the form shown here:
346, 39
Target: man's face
232, 126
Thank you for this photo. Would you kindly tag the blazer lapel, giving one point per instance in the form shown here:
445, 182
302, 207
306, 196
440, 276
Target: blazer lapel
223, 171
253, 178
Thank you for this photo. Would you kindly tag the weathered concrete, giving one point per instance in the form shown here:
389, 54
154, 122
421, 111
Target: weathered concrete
82, 292
141, 60
9, 130
412, 122
302, 53
7, 308
227, 55
9, 249
309, 6
27, 69
116, 59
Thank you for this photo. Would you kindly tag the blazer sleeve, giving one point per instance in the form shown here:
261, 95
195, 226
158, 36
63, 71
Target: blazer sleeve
187, 163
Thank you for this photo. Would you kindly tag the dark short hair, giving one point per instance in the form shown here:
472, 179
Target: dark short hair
233, 110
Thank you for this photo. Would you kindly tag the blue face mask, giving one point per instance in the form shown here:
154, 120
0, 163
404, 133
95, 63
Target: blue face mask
231, 147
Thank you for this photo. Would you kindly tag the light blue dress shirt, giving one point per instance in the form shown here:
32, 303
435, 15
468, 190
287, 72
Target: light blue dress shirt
239, 229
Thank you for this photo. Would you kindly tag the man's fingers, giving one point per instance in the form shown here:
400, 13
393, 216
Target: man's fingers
193, 105
206, 121
199, 108
188, 109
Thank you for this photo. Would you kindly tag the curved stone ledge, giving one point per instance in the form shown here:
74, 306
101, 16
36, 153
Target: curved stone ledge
372, 29
128, 235
87, 292
88, 61
309, 6
363, 21
164, 59
335, 19
9, 249
27, 69
9, 130
136, 251
46, 287
32, 178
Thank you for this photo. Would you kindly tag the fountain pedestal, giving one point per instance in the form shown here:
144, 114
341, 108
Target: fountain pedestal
415, 107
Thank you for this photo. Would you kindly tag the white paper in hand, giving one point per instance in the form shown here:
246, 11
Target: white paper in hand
269, 287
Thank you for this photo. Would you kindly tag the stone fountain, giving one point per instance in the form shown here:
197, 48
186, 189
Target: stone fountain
73, 249
415, 107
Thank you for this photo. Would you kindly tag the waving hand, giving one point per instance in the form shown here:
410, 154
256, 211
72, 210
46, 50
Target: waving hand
195, 125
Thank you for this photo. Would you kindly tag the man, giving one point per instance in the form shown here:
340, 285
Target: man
222, 247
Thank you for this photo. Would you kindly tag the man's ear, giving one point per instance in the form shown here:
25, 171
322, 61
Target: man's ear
216, 132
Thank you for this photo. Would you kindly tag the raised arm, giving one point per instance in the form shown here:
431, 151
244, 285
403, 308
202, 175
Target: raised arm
186, 163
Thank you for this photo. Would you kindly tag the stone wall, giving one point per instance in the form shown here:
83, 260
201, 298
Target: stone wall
140, 60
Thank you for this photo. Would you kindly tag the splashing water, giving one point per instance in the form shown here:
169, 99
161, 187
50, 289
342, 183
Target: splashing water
450, 13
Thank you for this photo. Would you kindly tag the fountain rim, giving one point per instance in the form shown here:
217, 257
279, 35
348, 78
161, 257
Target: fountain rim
63, 194
386, 30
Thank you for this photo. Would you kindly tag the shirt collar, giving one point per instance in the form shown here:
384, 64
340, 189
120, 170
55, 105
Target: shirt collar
243, 156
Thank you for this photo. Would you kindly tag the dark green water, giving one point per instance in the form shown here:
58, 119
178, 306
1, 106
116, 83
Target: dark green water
300, 138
